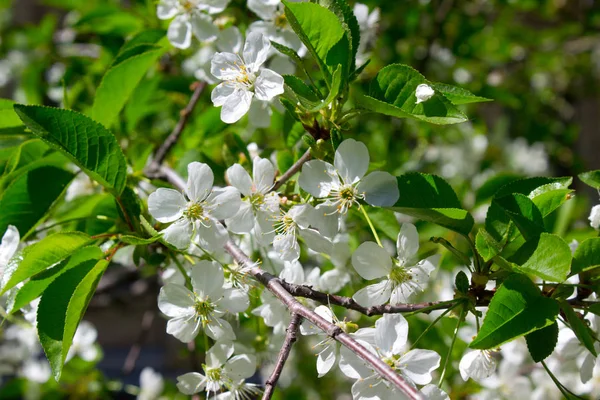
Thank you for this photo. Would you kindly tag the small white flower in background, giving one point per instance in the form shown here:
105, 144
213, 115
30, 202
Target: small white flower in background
477, 365
189, 312
573, 246
403, 275
368, 24
595, 217
424, 92
530, 159
344, 184
191, 17
220, 371
36, 370
508, 383
8, 247
432, 392
201, 210
388, 340
257, 202
334, 280
151, 384
244, 79
84, 342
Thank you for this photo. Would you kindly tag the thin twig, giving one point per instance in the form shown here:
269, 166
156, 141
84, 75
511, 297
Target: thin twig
168, 144
290, 338
292, 171
134, 352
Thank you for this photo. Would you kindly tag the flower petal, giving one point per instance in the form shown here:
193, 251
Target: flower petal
240, 367
239, 178
166, 9
477, 364
317, 178
256, 50
218, 355
268, 85
373, 295
175, 300
207, 280
230, 40
326, 358
166, 205
351, 160
219, 329
315, 241
212, 234
203, 27
225, 202
391, 334
180, 32
407, 244
432, 392
234, 301
9, 245
179, 233
352, 366
236, 106
184, 328
191, 383
287, 247
380, 189
200, 181
243, 220
371, 261
418, 365
263, 173
259, 115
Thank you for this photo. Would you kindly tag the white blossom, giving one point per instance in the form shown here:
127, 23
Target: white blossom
84, 342
244, 81
220, 371
151, 384
190, 17
368, 24
344, 184
424, 92
403, 277
477, 365
203, 308
595, 217
200, 210
8, 248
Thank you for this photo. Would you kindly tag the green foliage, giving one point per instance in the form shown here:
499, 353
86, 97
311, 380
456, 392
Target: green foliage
461, 282
583, 332
61, 308
128, 239
430, 198
43, 254
541, 343
88, 144
591, 178
458, 95
548, 257
349, 23
517, 308
587, 256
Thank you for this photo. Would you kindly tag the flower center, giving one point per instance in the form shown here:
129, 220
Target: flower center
203, 309
399, 275
244, 76
257, 199
188, 5
194, 211
285, 225
213, 374
345, 197
280, 20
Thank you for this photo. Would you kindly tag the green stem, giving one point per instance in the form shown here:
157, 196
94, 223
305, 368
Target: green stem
437, 306
475, 254
431, 325
188, 281
451, 249
364, 212
462, 314
565, 392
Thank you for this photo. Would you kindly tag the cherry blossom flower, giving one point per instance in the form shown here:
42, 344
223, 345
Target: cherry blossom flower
8, 248
344, 184
258, 202
220, 371
424, 92
388, 341
203, 308
368, 24
200, 209
84, 342
151, 384
190, 17
403, 276
595, 217
477, 365
244, 79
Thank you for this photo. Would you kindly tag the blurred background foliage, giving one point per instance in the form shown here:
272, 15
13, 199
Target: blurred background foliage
538, 60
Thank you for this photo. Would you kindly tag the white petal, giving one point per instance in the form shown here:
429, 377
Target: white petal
351, 160
418, 365
477, 364
234, 301
240, 179
218, 355
423, 93
236, 106
179, 233
203, 27
371, 261
287, 247
407, 244
380, 189
221, 93
256, 50
213, 6
191, 383
315, 241
263, 173
219, 329
391, 334
327, 220
175, 300
225, 202
243, 220
200, 181
317, 178
166, 9
265, 9
292, 272
373, 295
240, 367
166, 205
230, 40
352, 366
184, 328
212, 235
334, 280
402, 293
586, 372
180, 32
207, 279
432, 392
259, 115
9, 245
373, 388
326, 358
268, 85
225, 66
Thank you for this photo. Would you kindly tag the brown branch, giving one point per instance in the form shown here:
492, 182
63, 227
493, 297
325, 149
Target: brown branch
292, 171
168, 144
290, 338
134, 352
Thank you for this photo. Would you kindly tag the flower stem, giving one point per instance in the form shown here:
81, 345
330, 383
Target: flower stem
188, 281
565, 392
431, 325
462, 314
364, 212
436, 306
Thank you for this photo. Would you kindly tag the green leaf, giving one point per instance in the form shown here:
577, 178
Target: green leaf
430, 198
29, 198
458, 95
392, 92
8, 118
128, 239
594, 308
302, 93
120, 81
345, 14
61, 308
541, 343
548, 257
549, 201
587, 256
321, 31
492, 185
33, 288
461, 282
517, 308
591, 178
532, 187
334, 91
150, 36
87, 143
486, 245
579, 327
524, 213
385, 221
291, 53
43, 254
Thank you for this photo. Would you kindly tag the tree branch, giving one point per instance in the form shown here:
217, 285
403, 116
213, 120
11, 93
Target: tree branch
163, 150
290, 338
292, 171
